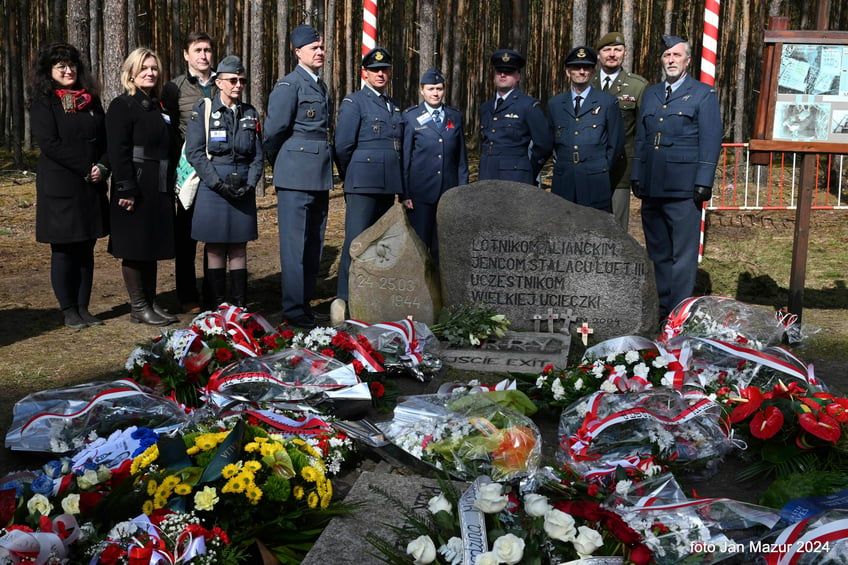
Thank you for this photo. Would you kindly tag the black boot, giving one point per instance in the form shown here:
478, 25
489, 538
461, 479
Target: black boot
238, 287
217, 286
88, 317
141, 312
149, 276
72, 318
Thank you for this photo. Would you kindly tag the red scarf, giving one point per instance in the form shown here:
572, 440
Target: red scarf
73, 100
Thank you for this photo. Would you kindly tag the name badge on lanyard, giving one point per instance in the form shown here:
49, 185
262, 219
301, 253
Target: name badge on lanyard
218, 135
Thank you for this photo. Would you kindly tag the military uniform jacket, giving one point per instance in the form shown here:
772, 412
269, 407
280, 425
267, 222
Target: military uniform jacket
69, 208
506, 136
434, 159
629, 89
296, 133
677, 143
368, 144
235, 138
586, 146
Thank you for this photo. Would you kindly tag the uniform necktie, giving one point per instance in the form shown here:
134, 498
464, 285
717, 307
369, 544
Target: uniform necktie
498, 102
437, 118
606, 84
385, 100
667, 93
577, 100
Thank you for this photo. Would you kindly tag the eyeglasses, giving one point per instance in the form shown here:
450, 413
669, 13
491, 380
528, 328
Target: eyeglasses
234, 80
65, 67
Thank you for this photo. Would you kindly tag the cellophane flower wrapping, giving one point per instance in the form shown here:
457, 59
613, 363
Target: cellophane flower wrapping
65, 419
466, 435
599, 432
700, 531
725, 319
288, 375
406, 346
821, 540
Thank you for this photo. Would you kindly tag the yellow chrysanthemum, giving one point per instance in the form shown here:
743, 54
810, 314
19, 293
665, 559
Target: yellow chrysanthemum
144, 460
236, 484
269, 449
312, 500
325, 501
298, 441
253, 493
252, 447
205, 442
193, 450
152, 486
182, 489
312, 451
170, 482
159, 502
231, 470
298, 492
147, 507
310, 474
260, 439
252, 466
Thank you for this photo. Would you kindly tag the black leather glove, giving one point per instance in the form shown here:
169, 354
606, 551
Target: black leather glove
222, 188
634, 188
702, 194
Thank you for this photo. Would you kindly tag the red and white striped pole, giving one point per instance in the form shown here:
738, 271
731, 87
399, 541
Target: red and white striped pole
709, 47
369, 28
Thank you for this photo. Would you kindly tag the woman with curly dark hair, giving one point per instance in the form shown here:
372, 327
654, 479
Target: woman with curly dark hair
72, 210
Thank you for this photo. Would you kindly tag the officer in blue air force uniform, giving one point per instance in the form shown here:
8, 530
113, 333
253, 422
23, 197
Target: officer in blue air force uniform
300, 112
588, 135
369, 133
434, 156
678, 141
515, 140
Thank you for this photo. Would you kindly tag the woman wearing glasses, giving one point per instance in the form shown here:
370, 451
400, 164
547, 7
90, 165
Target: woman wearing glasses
224, 145
142, 201
72, 210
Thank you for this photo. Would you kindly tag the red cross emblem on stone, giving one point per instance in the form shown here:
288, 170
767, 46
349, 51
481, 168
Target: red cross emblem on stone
585, 330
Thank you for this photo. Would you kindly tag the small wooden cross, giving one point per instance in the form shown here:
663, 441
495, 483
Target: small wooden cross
566, 319
551, 317
585, 330
537, 322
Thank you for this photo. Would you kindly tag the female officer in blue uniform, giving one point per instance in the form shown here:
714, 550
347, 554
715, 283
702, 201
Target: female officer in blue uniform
225, 207
434, 156
588, 135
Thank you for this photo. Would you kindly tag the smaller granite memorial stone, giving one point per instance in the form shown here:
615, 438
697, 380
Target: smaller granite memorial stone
391, 273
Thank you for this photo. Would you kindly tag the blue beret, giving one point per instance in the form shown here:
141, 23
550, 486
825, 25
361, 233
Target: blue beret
507, 60
377, 57
669, 41
230, 64
304, 35
432, 76
581, 55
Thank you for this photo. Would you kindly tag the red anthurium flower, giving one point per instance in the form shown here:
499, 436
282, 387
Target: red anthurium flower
838, 409
766, 423
821, 425
750, 400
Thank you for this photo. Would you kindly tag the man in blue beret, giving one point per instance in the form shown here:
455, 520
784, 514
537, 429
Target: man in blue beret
434, 156
515, 140
629, 89
300, 111
369, 134
678, 141
588, 135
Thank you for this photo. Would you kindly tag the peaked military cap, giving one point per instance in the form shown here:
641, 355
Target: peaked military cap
230, 64
669, 41
432, 76
581, 55
304, 34
377, 57
612, 38
507, 60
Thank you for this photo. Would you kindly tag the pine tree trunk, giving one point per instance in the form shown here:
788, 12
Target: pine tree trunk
115, 36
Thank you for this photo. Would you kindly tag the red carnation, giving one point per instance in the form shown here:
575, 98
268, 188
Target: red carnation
546, 370
377, 389
358, 367
328, 352
287, 334
223, 355
592, 490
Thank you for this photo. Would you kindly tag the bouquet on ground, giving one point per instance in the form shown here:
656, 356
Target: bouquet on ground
466, 325
492, 524
465, 435
726, 319
658, 426
256, 486
788, 428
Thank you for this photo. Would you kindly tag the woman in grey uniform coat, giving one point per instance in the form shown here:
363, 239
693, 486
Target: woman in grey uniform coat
225, 208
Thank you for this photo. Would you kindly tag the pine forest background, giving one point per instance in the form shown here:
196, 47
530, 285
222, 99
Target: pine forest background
456, 36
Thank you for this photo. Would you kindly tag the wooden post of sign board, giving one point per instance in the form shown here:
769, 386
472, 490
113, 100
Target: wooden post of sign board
801, 241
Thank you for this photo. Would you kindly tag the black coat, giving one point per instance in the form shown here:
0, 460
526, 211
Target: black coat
68, 208
139, 135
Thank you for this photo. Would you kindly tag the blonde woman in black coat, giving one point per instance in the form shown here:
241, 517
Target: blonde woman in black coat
142, 203
72, 210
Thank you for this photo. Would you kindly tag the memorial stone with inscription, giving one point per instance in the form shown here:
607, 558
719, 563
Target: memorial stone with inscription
544, 262
392, 275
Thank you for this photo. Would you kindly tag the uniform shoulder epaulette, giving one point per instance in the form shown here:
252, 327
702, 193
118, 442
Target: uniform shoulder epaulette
637, 78
410, 109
